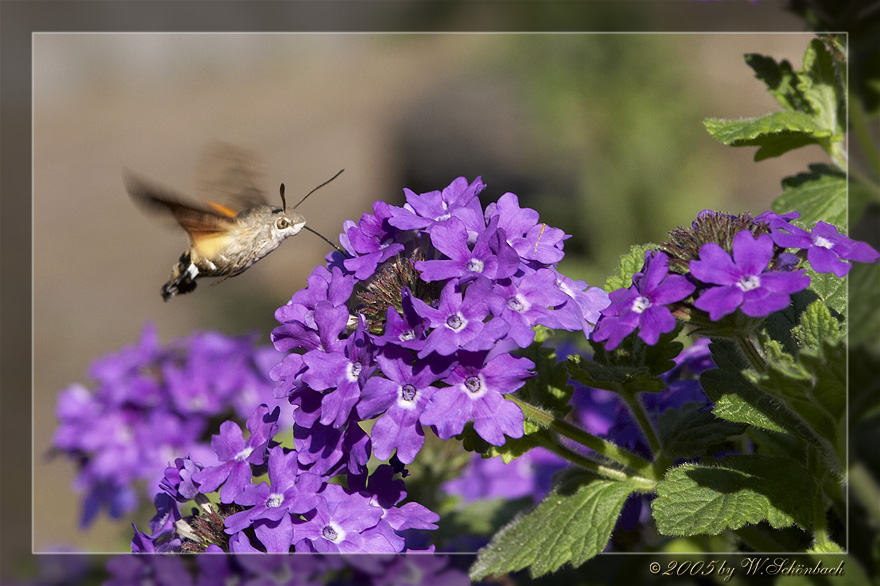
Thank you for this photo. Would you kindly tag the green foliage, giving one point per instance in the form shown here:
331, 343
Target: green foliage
818, 327
738, 400
571, 525
864, 316
629, 264
688, 432
780, 79
779, 383
775, 133
819, 194
801, 395
711, 497
813, 99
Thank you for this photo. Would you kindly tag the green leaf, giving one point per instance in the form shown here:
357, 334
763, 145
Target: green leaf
780, 78
688, 432
695, 499
571, 525
775, 133
811, 386
817, 326
629, 264
830, 289
738, 400
822, 87
819, 194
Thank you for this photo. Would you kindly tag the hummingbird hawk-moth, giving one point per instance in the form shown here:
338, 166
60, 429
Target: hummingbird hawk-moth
228, 236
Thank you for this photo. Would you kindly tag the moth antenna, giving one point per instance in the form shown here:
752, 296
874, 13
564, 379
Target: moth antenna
321, 236
319, 187
283, 201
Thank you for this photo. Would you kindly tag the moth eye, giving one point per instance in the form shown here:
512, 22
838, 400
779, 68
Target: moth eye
282, 223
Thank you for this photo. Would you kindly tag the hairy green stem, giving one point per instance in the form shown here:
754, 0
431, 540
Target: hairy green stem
597, 468
750, 350
638, 411
642, 467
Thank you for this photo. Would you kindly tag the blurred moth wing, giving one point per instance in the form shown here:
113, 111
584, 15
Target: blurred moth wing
209, 230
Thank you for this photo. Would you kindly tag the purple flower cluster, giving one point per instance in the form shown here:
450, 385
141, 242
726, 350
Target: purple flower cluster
298, 508
151, 403
727, 263
415, 325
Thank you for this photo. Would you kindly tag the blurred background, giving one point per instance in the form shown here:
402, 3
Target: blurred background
602, 134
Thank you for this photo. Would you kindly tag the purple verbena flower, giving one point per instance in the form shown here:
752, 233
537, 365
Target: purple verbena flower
328, 450
422, 211
370, 241
531, 240
475, 393
340, 366
152, 404
457, 321
827, 249
400, 399
237, 454
643, 305
340, 524
582, 308
742, 282
527, 302
492, 257
178, 482
289, 491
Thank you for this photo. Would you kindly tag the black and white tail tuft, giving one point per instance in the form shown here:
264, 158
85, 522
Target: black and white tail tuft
183, 278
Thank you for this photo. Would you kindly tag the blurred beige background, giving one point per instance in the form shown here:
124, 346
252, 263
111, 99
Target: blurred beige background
393, 110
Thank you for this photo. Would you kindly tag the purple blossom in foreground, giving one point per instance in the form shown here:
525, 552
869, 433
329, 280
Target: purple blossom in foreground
475, 393
237, 454
341, 523
827, 249
402, 398
288, 491
441, 290
643, 305
152, 403
743, 281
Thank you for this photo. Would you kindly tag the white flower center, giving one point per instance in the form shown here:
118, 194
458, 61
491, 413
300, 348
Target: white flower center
475, 265
518, 304
406, 396
333, 532
242, 455
823, 242
640, 304
353, 371
275, 499
475, 386
749, 282
456, 322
